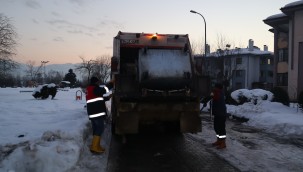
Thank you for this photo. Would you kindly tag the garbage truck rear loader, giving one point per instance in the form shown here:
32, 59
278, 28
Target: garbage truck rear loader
155, 83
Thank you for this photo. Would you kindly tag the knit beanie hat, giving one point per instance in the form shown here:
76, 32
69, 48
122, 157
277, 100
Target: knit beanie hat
94, 80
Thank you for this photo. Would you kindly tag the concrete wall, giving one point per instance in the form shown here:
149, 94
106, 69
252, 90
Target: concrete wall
253, 70
295, 80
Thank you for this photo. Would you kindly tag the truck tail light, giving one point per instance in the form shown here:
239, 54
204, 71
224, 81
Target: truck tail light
154, 37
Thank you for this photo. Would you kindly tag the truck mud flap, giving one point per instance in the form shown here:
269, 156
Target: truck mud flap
127, 123
190, 123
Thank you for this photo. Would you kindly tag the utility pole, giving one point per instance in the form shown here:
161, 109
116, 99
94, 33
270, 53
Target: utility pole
43, 65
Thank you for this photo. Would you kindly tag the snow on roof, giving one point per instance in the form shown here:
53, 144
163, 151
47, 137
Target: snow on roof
255, 51
290, 5
276, 16
296, 3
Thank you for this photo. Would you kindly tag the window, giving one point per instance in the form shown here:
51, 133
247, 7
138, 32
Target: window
270, 73
207, 62
262, 73
282, 79
227, 62
269, 61
226, 73
239, 73
283, 55
263, 61
238, 85
239, 60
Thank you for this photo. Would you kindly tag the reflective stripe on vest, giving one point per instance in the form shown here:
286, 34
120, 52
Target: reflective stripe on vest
96, 115
222, 136
95, 99
105, 87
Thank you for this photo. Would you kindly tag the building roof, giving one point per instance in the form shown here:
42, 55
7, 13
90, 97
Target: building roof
286, 10
290, 8
277, 20
239, 51
280, 21
276, 16
294, 4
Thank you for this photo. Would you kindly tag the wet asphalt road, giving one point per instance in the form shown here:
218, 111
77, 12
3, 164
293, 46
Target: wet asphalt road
163, 152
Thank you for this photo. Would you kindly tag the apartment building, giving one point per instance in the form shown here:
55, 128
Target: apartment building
239, 68
288, 48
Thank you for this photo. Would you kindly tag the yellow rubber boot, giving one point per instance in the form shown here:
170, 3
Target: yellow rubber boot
96, 147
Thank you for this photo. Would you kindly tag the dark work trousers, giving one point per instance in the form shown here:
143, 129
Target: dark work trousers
219, 125
97, 125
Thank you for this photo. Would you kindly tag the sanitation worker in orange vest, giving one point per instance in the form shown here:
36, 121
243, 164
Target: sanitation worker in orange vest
96, 95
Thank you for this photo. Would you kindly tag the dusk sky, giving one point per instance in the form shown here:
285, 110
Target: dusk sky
60, 31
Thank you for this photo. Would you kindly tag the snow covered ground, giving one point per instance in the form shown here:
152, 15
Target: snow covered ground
264, 143
53, 135
43, 135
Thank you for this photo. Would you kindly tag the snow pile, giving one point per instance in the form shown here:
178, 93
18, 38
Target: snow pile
271, 116
255, 95
41, 135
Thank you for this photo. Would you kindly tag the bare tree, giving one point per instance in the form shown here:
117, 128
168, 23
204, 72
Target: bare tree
7, 47
230, 65
196, 47
7, 65
8, 36
102, 67
54, 76
33, 72
223, 42
86, 67
221, 65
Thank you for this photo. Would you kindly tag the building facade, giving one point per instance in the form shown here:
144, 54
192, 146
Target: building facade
288, 48
240, 67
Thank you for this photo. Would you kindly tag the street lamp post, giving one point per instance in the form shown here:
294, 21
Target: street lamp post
43, 65
192, 11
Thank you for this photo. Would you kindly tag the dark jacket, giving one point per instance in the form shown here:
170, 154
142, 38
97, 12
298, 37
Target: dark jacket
95, 99
217, 102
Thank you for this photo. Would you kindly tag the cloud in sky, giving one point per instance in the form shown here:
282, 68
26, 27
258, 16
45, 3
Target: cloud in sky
111, 23
74, 28
79, 2
58, 39
56, 14
32, 4
35, 21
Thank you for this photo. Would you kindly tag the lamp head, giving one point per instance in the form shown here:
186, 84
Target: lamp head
192, 11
